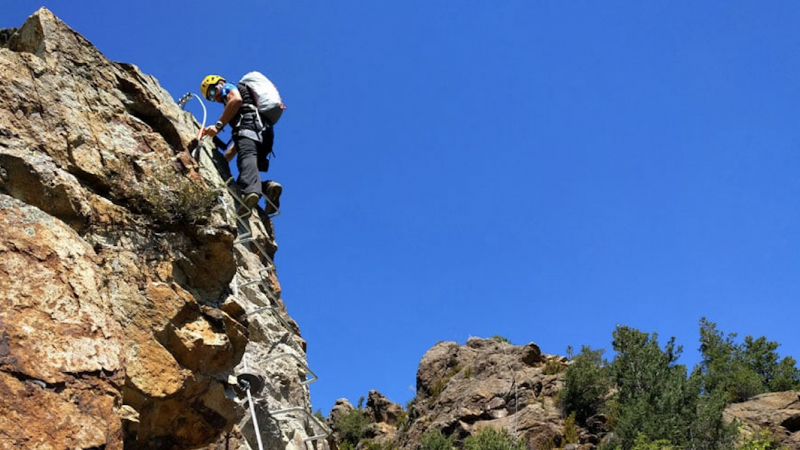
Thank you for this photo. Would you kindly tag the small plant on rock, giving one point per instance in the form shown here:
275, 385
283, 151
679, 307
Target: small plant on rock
170, 197
570, 430
552, 367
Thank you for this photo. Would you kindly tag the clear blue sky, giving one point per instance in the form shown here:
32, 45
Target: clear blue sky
538, 170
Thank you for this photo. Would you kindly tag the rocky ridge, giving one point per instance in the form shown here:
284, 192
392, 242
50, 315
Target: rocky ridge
492, 383
132, 310
484, 383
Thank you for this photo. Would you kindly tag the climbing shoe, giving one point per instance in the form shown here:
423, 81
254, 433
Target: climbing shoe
272, 191
250, 201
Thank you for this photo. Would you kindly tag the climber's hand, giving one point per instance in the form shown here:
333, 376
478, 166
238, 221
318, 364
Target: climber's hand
210, 131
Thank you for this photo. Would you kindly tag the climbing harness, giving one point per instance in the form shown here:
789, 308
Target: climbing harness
247, 382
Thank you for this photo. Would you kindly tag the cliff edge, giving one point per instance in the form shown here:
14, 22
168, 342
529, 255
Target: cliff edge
138, 309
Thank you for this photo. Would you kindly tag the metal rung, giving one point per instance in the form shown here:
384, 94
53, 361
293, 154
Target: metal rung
275, 310
242, 219
263, 276
308, 414
230, 183
304, 365
251, 240
277, 211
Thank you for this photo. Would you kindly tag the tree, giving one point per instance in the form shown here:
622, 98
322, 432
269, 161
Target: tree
586, 384
742, 370
653, 396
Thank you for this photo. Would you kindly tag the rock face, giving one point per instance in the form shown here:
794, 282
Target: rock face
132, 306
485, 383
777, 413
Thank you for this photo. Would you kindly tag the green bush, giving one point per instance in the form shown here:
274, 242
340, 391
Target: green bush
488, 438
552, 367
435, 440
642, 442
170, 197
653, 395
762, 441
403, 422
351, 426
655, 406
369, 444
570, 430
586, 383
742, 370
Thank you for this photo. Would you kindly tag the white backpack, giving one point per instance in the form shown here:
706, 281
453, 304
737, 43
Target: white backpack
265, 94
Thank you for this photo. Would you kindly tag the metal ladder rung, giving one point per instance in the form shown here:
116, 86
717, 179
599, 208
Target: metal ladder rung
304, 366
308, 414
251, 240
277, 211
230, 183
277, 314
263, 276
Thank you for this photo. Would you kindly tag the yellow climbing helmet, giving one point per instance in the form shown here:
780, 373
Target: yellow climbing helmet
209, 81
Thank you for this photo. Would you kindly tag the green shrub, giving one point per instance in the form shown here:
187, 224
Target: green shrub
435, 440
552, 367
642, 442
586, 383
351, 426
369, 444
742, 370
762, 441
653, 394
488, 438
570, 430
499, 338
403, 422
549, 444
170, 197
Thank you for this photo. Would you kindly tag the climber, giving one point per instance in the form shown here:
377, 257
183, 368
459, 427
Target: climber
253, 137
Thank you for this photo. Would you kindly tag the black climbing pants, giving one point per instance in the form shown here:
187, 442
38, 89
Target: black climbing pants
252, 158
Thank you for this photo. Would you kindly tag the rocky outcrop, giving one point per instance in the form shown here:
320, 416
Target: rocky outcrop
485, 383
131, 307
777, 414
